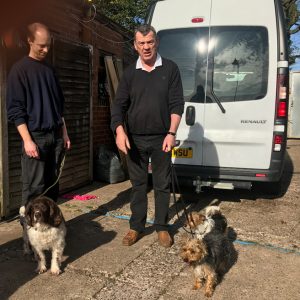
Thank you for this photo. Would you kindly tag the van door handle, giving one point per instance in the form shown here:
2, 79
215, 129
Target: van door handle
190, 115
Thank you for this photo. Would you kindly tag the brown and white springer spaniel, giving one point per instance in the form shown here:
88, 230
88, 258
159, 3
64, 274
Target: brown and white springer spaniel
45, 230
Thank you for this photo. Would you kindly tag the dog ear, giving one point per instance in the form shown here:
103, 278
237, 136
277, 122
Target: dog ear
203, 246
189, 220
56, 216
194, 219
28, 213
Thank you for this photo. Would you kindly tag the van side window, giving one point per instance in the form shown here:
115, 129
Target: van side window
240, 63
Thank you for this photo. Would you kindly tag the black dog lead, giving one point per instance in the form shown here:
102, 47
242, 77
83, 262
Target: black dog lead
174, 180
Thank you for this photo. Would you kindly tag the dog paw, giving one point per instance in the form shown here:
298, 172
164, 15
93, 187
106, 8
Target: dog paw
41, 270
208, 294
196, 287
55, 271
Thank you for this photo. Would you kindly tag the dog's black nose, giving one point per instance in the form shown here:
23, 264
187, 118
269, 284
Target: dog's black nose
37, 214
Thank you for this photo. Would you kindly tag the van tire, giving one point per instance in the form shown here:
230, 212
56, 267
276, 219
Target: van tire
269, 190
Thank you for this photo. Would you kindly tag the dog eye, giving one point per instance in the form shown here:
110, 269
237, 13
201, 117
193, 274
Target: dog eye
44, 208
192, 252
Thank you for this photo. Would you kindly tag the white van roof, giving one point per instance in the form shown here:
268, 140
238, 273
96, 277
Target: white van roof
170, 14
179, 13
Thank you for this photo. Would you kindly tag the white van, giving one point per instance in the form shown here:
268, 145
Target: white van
233, 61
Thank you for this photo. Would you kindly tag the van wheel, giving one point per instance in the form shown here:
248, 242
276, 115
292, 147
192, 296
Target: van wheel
269, 190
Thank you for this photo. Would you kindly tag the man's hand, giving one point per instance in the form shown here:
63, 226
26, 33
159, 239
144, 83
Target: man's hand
122, 140
170, 139
169, 143
67, 142
31, 149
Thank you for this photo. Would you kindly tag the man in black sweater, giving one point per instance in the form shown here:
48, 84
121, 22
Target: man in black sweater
150, 98
35, 104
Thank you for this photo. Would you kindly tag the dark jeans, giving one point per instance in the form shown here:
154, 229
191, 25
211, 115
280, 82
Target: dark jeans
39, 174
143, 147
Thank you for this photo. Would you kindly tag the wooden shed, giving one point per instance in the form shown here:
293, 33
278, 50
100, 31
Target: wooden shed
82, 39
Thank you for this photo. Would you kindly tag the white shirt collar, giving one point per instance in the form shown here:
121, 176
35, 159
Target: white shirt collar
158, 63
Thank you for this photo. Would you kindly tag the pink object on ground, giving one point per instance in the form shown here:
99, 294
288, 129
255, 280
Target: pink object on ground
79, 197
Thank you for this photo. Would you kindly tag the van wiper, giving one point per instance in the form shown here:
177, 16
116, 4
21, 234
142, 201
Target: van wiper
219, 104
237, 64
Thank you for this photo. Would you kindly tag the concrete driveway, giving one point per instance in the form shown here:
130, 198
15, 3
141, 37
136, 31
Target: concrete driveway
265, 236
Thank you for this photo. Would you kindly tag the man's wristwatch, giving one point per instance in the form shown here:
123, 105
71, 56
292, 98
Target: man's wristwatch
172, 133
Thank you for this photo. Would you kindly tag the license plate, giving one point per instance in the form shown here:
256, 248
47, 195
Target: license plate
182, 152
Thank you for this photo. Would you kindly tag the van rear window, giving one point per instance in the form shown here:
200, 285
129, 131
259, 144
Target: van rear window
233, 66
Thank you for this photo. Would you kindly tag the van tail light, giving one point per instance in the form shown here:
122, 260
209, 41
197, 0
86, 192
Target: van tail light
282, 96
281, 113
281, 110
278, 141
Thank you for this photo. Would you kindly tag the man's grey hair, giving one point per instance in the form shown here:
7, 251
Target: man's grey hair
33, 28
144, 30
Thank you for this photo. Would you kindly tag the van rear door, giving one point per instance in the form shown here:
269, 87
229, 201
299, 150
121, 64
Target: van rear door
183, 32
227, 55
181, 47
242, 79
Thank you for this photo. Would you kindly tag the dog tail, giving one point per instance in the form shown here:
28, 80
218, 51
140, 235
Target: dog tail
212, 210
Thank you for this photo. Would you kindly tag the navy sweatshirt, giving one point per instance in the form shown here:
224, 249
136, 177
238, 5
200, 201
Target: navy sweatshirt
147, 99
34, 96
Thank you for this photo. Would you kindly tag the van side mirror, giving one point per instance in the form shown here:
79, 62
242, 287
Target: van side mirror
190, 115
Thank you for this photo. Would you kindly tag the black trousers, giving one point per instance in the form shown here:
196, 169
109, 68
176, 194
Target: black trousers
142, 148
39, 174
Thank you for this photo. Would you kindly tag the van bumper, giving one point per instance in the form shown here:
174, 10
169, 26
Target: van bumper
188, 173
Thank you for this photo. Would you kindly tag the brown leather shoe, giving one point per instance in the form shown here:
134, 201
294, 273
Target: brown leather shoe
165, 239
130, 238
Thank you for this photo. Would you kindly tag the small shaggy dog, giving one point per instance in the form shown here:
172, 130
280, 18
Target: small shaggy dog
209, 258
44, 229
213, 220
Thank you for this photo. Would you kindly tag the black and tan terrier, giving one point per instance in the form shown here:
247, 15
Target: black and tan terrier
209, 258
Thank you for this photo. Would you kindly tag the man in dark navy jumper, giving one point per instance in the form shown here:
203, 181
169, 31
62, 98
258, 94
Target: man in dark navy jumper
149, 100
35, 104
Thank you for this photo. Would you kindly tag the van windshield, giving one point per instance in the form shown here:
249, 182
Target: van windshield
231, 66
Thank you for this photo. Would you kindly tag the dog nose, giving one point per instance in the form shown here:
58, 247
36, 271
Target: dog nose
37, 214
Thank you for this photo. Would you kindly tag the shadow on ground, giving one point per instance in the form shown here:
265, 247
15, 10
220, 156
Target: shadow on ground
84, 235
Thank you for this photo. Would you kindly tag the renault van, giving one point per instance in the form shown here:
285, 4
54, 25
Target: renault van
233, 60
